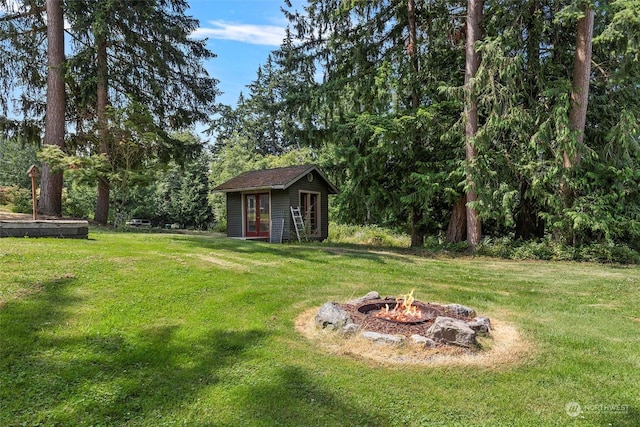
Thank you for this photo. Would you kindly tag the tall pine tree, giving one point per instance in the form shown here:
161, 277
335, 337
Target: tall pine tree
142, 52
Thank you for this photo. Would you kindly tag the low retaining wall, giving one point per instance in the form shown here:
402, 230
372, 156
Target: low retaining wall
45, 228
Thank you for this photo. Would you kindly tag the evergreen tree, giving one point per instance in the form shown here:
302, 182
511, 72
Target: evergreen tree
380, 86
382, 68
22, 30
525, 132
122, 52
142, 51
193, 196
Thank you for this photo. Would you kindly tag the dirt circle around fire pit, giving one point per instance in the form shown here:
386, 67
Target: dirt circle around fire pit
504, 347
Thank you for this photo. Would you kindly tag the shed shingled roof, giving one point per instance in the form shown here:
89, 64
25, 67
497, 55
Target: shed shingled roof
277, 179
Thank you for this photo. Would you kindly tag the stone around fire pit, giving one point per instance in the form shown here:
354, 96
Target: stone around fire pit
460, 310
373, 295
452, 331
424, 341
331, 316
482, 326
383, 338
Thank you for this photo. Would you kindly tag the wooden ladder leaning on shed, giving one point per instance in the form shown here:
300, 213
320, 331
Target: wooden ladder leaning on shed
298, 223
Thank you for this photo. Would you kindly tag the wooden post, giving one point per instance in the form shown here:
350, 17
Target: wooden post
33, 172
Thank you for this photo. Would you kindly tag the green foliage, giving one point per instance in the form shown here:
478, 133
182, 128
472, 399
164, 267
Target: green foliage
165, 70
261, 120
86, 168
15, 158
143, 186
21, 200
182, 196
549, 249
22, 69
392, 138
371, 235
220, 226
138, 149
162, 86
438, 247
623, 30
78, 199
379, 109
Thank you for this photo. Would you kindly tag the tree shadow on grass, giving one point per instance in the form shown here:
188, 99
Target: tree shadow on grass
56, 373
294, 398
621, 416
302, 252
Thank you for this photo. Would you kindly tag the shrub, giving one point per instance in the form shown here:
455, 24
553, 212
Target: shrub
435, 245
78, 201
550, 250
21, 200
220, 226
608, 253
5, 196
371, 235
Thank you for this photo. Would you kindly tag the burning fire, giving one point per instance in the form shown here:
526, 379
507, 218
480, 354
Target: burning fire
404, 311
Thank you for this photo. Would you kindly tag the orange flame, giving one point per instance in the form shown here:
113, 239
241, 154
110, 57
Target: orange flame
404, 311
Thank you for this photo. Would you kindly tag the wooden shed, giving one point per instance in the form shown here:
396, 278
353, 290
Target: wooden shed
259, 203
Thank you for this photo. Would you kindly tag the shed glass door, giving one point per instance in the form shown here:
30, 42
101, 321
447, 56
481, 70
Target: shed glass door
310, 207
257, 215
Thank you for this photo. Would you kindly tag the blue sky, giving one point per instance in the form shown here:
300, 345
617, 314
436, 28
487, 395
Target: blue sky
242, 33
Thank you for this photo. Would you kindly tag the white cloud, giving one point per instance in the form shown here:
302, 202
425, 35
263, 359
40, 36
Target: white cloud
269, 35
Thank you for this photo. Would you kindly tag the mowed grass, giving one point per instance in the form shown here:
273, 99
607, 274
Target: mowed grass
155, 329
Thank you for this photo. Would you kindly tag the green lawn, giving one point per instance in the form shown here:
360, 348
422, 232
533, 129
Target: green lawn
157, 329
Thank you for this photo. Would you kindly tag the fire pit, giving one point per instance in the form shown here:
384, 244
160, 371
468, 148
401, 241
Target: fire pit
404, 310
404, 317
442, 334
395, 312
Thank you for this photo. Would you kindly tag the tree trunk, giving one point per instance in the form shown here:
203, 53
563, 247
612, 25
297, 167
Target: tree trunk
54, 126
580, 86
101, 214
417, 235
457, 229
474, 33
528, 223
412, 52
534, 30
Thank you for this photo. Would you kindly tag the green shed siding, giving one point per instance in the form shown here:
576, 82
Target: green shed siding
234, 215
280, 209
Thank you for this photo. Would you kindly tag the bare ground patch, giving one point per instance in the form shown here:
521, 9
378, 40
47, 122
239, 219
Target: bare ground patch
505, 347
235, 263
225, 264
25, 292
21, 293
